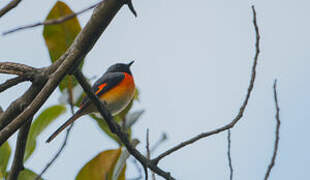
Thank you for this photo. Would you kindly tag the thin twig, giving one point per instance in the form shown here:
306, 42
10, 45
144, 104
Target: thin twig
146, 173
131, 8
147, 146
276, 142
12, 82
9, 7
52, 21
57, 154
63, 144
231, 170
37, 77
151, 149
116, 129
17, 164
242, 108
148, 152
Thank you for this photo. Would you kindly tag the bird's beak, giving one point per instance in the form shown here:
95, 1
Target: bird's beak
129, 64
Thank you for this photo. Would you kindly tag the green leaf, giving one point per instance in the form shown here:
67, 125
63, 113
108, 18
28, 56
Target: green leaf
39, 124
27, 174
5, 152
59, 37
101, 167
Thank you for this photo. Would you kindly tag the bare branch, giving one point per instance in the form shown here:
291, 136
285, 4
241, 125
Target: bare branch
116, 129
9, 7
276, 142
15, 68
62, 147
148, 152
12, 82
146, 173
57, 154
242, 108
147, 146
17, 164
51, 21
130, 6
17, 106
229, 155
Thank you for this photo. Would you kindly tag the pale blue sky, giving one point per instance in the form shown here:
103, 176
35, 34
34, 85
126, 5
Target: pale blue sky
192, 67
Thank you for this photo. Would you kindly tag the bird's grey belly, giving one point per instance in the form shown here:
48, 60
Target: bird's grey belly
117, 106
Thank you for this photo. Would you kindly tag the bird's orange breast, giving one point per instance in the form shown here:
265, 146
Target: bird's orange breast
120, 96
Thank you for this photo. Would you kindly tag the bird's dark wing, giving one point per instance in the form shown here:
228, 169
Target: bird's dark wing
104, 84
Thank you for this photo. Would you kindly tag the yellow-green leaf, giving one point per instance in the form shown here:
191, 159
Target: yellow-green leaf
58, 37
101, 166
27, 174
5, 152
122, 175
39, 124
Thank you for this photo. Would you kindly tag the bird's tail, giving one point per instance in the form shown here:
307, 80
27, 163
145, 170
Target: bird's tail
64, 125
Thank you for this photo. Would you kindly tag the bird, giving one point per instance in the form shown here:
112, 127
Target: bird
115, 88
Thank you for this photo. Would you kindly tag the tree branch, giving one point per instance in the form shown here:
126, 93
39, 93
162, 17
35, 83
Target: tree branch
116, 129
62, 147
51, 21
9, 7
65, 18
17, 164
100, 19
231, 170
148, 154
15, 68
277, 138
242, 108
12, 82
17, 106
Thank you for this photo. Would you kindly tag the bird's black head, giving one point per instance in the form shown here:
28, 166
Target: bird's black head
120, 67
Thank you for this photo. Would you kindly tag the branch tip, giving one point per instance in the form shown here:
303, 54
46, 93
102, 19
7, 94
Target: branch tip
131, 7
